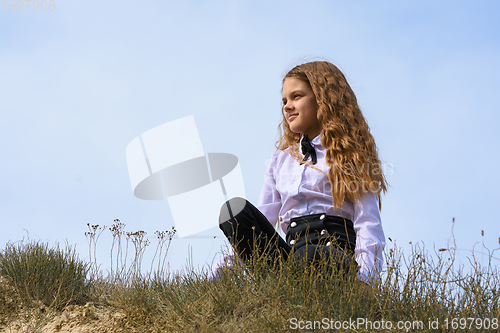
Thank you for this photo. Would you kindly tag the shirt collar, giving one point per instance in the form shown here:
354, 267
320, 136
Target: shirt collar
315, 142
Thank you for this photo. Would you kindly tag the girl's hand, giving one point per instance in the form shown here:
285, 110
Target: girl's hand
363, 287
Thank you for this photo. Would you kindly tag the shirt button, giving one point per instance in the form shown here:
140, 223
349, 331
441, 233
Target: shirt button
328, 244
292, 241
323, 232
293, 224
322, 217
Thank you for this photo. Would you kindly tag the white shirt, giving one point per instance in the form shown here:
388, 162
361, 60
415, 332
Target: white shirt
292, 190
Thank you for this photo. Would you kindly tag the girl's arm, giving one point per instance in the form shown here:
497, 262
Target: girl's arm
269, 204
270, 200
225, 261
370, 238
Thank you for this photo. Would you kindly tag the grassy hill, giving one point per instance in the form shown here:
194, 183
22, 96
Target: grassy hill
49, 289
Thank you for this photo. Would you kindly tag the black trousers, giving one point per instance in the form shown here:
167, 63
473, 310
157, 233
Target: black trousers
248, 230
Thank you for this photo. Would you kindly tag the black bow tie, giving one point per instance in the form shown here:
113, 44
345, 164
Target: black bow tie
308, 149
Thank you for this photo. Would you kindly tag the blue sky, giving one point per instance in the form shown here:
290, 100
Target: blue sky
78, 83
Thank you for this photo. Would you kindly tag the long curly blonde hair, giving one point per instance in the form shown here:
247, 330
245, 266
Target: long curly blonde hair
351, 153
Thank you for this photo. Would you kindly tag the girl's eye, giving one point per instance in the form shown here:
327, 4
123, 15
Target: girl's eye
296, 96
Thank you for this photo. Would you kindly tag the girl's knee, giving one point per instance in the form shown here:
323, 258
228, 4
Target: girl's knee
231, 208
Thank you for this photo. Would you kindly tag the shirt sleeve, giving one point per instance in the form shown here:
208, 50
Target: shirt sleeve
269, 204
270, 200
225, 261
370, 238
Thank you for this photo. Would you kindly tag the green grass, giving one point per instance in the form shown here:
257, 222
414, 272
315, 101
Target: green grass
56, 277
419, 288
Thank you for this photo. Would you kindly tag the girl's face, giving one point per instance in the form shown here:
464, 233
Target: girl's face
299, 104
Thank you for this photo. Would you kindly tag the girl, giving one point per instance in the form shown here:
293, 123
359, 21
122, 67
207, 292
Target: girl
328, 190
